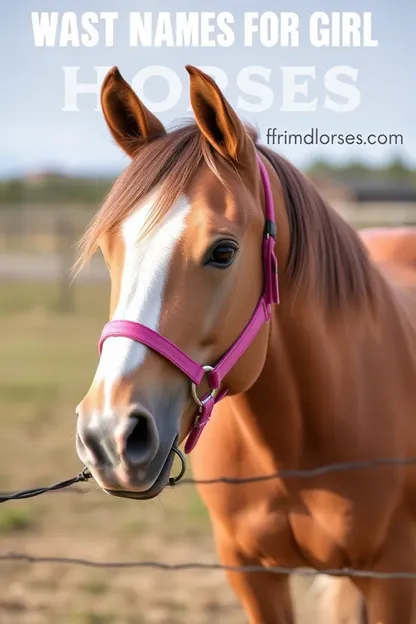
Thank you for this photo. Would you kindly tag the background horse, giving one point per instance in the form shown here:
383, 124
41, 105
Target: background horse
187, 237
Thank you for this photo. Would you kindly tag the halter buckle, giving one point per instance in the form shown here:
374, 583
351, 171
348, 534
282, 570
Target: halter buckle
211, 395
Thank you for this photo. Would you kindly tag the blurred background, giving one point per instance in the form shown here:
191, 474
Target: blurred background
55, 169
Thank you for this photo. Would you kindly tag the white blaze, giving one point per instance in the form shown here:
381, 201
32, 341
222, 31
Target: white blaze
146, 264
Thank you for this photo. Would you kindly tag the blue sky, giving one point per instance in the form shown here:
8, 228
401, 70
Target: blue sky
36, 133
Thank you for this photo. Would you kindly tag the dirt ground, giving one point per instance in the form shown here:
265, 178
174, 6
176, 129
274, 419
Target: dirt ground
47, 360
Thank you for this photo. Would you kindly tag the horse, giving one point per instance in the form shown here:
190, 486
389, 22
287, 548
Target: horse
250, 321
394, 249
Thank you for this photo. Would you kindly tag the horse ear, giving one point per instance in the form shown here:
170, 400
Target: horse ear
216, 118
128, 119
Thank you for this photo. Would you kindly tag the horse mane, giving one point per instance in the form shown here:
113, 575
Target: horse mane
326, 257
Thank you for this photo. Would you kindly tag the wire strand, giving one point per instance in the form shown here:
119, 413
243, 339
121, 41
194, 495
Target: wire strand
85, 475
186, 566
304, 472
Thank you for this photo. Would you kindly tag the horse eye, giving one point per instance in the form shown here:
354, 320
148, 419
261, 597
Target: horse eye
223, 254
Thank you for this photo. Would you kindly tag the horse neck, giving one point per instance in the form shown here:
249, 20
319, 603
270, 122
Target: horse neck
311, 360
298, 401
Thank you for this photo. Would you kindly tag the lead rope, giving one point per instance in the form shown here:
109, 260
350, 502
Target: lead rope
84, 475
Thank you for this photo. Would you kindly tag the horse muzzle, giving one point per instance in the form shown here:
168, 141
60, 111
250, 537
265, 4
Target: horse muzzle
126, 455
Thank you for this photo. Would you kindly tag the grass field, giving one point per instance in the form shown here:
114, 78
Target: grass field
47, 361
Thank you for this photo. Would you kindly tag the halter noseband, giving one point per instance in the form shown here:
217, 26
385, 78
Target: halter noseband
215, 374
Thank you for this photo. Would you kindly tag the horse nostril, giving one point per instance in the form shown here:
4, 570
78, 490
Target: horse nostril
139, 441
85, 439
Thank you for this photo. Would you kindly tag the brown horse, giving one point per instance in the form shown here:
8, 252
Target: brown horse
330, 377
394, 250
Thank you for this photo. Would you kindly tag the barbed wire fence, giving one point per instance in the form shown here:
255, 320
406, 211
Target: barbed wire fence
85, 475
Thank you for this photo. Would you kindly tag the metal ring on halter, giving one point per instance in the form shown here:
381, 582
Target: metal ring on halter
211, 395
173, 480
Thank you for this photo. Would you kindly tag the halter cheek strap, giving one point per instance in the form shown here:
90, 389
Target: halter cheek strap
193, 370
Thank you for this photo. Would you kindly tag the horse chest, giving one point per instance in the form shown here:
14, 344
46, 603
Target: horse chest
295, 538
266, 536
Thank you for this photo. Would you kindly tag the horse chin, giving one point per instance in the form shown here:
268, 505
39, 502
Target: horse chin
158, 486
147, 495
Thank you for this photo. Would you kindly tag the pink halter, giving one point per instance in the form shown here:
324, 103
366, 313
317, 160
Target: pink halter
215, 374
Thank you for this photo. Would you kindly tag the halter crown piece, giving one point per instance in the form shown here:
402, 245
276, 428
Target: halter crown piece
215, 374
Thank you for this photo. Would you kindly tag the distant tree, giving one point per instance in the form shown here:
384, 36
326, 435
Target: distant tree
396, 170
54, 190
12, 191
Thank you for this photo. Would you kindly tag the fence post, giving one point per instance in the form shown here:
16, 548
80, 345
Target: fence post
65, 255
